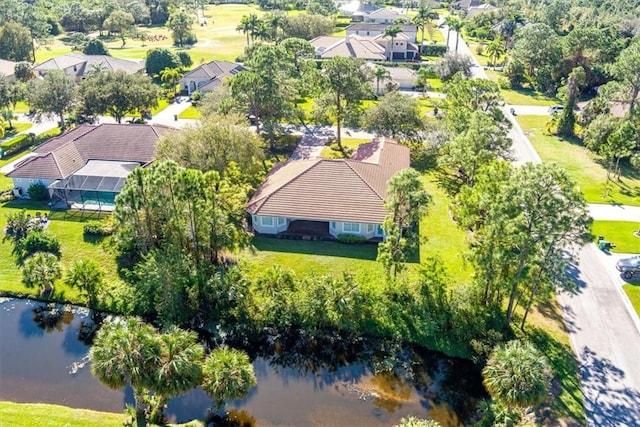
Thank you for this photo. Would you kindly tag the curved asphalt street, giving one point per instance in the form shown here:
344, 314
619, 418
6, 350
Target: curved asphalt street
603, 327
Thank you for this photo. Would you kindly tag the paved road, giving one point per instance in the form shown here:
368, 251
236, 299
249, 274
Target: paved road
606, 339
603, 327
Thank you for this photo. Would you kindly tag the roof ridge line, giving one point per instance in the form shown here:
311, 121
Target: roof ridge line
349, 161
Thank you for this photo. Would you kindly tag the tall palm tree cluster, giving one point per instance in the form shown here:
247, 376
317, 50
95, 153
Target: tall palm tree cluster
261, 29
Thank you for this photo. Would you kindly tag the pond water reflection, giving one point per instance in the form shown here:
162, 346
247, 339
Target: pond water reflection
49, 364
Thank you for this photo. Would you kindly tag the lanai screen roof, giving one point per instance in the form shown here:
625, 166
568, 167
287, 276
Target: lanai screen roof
98, 175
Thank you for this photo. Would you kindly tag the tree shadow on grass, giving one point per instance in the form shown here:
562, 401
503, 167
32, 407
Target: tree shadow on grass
607, 400
303, 247
568, 397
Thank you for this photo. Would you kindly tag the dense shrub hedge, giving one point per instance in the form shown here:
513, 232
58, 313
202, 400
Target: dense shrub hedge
351, 238
16, 144
433, 49
38, 191
98, 228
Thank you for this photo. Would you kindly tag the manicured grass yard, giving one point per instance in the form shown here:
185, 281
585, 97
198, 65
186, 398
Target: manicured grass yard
583, 165
43, 415
35, 414
68, 228
633, 292
620, 233
348, 143
17, 128
190, 113
526, 97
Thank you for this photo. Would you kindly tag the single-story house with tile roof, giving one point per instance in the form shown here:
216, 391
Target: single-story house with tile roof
371, 29
329, 196
478, 10
7, 69
78, 65
370, 48
209, 76
88, 164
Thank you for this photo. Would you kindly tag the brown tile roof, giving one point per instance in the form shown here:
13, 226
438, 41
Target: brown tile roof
62, 156
332, 189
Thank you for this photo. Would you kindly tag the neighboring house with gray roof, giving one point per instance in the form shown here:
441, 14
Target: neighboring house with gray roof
78, 65
372, 30
329, 196
7, 69
88, 162
209, 76
370, 48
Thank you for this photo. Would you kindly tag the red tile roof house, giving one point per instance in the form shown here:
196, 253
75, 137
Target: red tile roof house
329, 197
85, 168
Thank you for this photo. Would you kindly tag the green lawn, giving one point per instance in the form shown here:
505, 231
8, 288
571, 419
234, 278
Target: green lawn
43, 415
190, 113
67, 227
37, 414
17, 127
583, 165
348, 143
526, 97
633, 292
620, 233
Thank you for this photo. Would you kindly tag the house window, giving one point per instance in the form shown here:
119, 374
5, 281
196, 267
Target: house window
333, 225
266, 221
371, 228
351, 227
367, 32
281, 220
379, 231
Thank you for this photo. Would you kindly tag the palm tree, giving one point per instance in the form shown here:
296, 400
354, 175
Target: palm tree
41, 270
517, 375
87, 277
380, 73
273, 22
248, 25
228, 374
423, 80
261, 32
170, 76
180, 367
8, 115
423, 19
456, 25
127, 351
450, 22
392, 31
496, 49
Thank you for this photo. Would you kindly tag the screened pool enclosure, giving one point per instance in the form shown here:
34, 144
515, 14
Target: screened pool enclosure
93, 187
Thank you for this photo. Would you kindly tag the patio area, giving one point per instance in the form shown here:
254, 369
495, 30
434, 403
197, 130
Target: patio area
307, 230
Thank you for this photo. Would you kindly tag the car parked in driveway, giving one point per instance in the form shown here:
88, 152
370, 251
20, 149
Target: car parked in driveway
629, 266
556, 109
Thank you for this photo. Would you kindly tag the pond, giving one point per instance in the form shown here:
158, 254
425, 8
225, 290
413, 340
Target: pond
49, 364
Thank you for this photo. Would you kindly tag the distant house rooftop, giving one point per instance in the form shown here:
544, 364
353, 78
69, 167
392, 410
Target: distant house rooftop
80, 64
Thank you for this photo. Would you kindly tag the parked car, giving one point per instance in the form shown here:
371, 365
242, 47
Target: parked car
556, 109
629, 266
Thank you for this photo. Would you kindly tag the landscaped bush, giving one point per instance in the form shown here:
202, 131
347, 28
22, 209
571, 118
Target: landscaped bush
98, 228
15, 144
433, 49
38, 191
37, 241
351, 238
